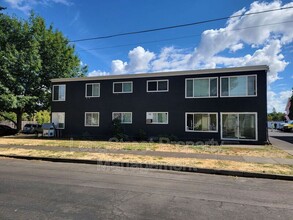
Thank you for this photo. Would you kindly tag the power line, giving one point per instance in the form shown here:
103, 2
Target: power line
178, 38
176, 26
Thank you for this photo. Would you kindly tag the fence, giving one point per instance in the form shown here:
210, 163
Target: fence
12, 125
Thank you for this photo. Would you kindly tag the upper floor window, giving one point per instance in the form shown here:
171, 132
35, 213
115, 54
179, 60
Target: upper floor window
58, 118
124, 117
157, 117
158, 85
122, 87
201, 87
235, 86
59, 92
92, 90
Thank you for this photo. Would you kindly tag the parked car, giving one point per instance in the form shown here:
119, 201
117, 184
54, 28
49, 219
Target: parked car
288, 126
6, 130
32, 129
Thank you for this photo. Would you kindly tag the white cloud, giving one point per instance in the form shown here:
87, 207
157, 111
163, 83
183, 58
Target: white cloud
278, 100
269, 55
97, 73
236, 47
170, 59
118, 66
27, 5
139, 61
265, 43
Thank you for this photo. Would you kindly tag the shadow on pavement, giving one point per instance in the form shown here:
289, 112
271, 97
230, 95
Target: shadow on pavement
288, 138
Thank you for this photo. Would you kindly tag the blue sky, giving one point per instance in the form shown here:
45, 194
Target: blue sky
226, 43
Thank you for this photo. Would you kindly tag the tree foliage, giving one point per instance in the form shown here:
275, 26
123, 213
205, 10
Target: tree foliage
276, 116
30, 55
42, 117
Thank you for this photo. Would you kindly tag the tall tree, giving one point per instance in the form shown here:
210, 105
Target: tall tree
30, 55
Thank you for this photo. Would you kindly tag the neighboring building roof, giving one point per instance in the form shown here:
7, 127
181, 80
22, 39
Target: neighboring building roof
166, 74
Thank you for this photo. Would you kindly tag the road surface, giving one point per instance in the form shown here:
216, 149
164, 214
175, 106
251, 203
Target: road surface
46, 190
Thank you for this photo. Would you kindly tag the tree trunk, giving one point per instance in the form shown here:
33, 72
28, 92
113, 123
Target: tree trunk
19, 119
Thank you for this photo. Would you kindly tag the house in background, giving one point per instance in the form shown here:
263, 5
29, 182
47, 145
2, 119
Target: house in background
228, 104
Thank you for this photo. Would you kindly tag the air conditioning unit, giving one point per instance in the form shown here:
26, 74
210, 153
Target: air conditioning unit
149, 121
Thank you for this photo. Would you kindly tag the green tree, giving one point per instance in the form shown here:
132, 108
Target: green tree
276, 116
30, 55
42, 117
9, 116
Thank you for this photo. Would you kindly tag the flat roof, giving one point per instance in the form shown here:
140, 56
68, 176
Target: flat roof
165, 74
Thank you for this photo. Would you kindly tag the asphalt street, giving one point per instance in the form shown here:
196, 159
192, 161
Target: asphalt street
46, 190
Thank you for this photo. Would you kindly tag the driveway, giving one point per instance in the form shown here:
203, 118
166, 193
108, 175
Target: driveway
44, 190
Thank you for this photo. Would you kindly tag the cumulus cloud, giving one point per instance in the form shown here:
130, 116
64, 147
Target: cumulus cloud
264, 36
27, 5
278, 100
139, 61
236, 47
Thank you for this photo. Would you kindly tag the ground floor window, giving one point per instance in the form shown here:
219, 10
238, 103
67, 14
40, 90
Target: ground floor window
92, 119
201, 122
157, 117
239, 126
58, 118
124, 117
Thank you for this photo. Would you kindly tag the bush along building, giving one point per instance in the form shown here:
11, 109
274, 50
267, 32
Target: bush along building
228, 104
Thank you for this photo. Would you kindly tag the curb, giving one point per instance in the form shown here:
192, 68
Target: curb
157, 167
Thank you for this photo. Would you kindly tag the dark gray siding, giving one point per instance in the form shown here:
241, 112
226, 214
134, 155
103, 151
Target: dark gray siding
139, 102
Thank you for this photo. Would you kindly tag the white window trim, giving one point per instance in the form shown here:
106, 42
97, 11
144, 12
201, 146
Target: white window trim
122, 87
217, 125
64, 120
122, 113
64, 93
204, 97
91, 125
158, 123
92, 96
240, 113
160, 80
246, 86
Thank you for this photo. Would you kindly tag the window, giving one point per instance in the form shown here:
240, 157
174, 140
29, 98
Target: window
92, 90
201, 88
157, 117
92, 119
122, 87
59, 92
239, 126
235, 86
157, 85
58, 118
201, 122
124, 117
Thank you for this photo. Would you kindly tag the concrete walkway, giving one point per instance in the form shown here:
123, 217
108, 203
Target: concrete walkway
282, 140
248, 159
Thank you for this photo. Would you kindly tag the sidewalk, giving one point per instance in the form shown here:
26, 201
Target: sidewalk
282, 140
248, 159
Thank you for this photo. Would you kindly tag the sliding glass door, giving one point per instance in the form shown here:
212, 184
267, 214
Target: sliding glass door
239, 126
